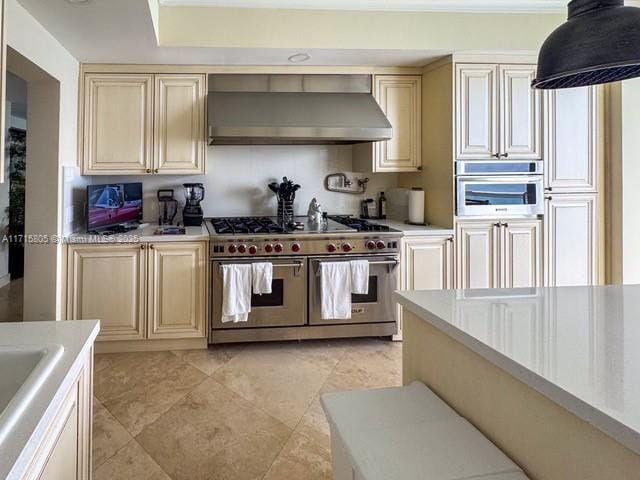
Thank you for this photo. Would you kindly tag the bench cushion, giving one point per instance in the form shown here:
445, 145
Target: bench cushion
409, 433
384, 407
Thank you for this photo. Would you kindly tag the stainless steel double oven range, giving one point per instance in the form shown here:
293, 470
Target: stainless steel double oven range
499, 188
292, 310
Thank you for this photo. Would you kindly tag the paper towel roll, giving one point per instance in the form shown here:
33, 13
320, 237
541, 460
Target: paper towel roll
416, 205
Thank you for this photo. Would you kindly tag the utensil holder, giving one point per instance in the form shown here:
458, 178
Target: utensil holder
285, 212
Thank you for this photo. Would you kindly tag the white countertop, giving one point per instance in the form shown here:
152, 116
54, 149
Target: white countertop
578, 346
415, 230
77, 337
143, 234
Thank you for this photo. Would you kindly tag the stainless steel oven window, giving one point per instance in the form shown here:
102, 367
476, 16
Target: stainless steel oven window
500, 195
286, 306
375, 307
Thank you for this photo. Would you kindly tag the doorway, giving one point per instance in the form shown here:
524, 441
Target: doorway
12, 200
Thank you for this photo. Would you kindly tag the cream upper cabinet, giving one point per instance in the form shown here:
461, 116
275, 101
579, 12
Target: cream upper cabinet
177, 289
476, 111
521, 253
117, 124
571, 240
179, 131
571, 140
108, 283
477, 254
499, 254
428, 263
400, 98
520, 113
144, 124
498, 114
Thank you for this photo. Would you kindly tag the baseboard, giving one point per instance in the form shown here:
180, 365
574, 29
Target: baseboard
5, 279
117, 346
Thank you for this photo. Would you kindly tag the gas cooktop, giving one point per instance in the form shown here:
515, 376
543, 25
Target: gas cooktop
268, 226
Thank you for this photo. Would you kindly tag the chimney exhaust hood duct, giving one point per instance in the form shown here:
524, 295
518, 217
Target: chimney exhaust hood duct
294, 110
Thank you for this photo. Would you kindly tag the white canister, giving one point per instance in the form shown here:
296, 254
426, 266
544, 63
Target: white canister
416, 206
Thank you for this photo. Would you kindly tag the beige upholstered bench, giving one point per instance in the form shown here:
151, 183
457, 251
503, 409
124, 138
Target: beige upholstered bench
408, 433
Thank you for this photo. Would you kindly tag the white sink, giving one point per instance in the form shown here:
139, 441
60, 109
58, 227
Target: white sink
23, 369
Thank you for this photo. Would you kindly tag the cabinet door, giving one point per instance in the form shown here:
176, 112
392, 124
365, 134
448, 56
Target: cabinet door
399, 96
571, 240
476, 111
571, 140
477, 255
179, 133
177, 290
107, 282
428, 263
520, 113
521, 255
117, 124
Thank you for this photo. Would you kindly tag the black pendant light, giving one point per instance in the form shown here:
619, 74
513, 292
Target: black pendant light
599, 43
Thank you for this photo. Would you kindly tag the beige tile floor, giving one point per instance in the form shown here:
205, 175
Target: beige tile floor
231, 412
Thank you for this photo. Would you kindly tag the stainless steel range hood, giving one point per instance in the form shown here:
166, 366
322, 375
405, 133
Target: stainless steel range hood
294, 109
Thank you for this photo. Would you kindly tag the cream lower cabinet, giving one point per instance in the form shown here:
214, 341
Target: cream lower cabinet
572, 239
108, 282
139, 291
499, 254
426, 264
177, 290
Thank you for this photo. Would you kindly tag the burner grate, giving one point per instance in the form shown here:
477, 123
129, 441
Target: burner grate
359, 224
245, 225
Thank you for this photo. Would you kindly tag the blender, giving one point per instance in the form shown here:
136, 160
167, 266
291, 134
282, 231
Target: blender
192, 211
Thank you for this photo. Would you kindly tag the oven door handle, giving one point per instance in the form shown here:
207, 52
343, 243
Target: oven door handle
391, 264
296, 265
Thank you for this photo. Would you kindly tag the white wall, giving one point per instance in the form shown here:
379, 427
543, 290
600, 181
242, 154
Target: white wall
237, 178
43, 263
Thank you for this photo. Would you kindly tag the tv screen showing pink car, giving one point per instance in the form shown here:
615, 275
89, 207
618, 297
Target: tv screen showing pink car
113, 204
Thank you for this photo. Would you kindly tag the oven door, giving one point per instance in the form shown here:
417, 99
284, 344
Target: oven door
500, 195
285, 306
374, 307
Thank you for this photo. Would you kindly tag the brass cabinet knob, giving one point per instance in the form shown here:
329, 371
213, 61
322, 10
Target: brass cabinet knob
156, 170
141, 247
148, 170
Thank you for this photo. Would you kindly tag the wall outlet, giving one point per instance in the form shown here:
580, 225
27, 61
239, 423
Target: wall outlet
68, 215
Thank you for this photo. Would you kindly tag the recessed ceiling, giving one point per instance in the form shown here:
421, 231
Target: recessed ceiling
121, 31
390, 5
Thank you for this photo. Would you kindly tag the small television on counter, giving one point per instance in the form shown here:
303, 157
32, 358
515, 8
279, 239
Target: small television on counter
112, 205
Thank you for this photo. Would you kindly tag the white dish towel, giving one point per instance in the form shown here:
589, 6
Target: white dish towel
359, 276
335, 290
262, 273
236, 293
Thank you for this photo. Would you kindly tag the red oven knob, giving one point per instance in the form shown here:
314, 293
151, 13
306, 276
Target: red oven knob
253, 249
278, 247
371, 245
331, 248
380, 244
242, 248
346, 247
268, 248
232, 249
295, 247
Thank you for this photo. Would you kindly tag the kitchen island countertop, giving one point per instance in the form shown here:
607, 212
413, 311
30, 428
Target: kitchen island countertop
76, 338
577, 346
